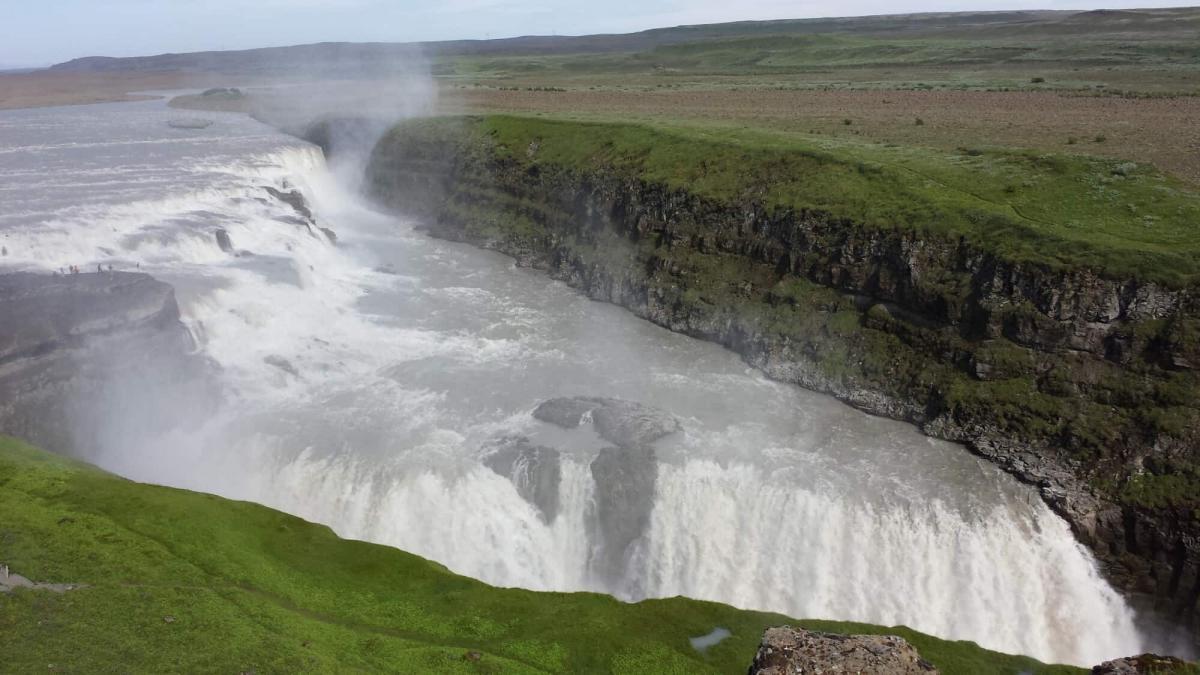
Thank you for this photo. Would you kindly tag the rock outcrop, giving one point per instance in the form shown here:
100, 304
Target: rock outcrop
624, 423
790, 651
533, 469
625, 481
1145, 664
85, 356
1080, 383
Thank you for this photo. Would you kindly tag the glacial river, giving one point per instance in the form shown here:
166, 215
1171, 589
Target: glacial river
365, 380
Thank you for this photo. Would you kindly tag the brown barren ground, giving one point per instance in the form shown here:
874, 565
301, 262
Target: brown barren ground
45, 88
1161, 131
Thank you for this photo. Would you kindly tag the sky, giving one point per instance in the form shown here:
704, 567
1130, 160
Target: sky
44, 32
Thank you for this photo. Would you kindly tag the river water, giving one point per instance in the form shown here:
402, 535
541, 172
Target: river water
409, 355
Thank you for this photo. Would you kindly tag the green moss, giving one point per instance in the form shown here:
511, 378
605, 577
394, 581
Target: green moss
178, 581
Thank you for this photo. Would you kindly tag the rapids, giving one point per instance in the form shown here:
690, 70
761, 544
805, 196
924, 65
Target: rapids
410, 354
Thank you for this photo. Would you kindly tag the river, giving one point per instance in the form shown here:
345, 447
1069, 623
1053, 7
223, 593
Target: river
364, 382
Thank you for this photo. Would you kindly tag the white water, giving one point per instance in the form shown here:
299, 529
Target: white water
773, 498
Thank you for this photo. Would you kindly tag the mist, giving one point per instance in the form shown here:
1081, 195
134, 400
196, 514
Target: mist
366, 379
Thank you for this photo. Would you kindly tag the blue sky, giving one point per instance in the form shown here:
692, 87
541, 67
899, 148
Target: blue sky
42, 32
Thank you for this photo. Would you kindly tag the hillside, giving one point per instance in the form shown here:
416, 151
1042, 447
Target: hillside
176, 581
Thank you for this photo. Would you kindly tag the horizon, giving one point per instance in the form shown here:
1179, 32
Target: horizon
315, 27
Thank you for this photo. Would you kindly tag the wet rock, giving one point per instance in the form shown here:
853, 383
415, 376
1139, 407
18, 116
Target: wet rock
785, 650
535, 470
294, 199
282, 364
625, 480
90, 358
329, 234
624, 423
189, 123
1144, 665
224, 241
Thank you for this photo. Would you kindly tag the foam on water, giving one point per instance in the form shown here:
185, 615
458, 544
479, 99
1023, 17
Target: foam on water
411, 354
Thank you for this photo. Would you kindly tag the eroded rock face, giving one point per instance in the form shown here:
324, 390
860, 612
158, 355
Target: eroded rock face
861, 312
535, 470
789, 651
625, 481
90, 357
624, 423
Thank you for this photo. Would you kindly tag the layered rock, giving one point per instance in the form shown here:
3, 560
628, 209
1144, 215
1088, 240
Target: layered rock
1080, 383
87, 356
787, 651
625, 423
535, 471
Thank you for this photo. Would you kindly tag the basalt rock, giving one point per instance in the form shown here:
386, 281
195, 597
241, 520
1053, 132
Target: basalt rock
533, 469
294, 199
625, 481
90, 358
787, 651
1076, 381
624, 423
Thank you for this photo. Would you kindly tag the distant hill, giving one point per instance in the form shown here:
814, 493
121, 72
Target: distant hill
342, 56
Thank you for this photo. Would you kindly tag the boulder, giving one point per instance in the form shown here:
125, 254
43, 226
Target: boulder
1144, 665
785, 650
624, 423
535, 470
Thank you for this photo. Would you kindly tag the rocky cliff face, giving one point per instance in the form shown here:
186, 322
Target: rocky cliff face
1080, 384
87, 358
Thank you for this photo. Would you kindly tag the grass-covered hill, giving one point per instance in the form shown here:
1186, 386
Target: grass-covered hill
177, 581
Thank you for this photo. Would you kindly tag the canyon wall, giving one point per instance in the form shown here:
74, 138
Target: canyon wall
1079, 383
89, 360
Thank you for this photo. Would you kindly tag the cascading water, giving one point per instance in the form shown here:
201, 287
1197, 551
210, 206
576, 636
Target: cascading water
365, 382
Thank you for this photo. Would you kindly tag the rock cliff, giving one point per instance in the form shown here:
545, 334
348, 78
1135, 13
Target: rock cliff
1078, 382
84, 357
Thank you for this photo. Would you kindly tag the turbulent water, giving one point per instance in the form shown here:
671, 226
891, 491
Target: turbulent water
411, 354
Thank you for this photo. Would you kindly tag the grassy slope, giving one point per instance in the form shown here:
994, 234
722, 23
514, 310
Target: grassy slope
250, 588
1125, 219
1154, 50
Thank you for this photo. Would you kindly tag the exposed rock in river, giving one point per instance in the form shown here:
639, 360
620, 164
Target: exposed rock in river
294, 199
534, 470
788, 651
625, 423
223, 240
85, 355
625, 480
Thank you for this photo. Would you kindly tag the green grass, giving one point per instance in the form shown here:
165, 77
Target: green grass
251, 589
1154, 51
1066, 212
